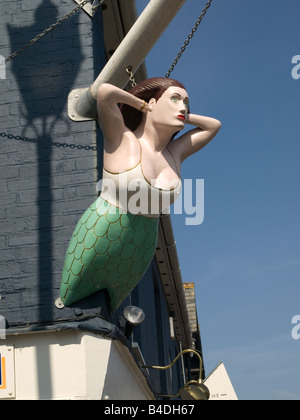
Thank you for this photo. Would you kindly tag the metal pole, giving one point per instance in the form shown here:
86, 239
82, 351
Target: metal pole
131, 53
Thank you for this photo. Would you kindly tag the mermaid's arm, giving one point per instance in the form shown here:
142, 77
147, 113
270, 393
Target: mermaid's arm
194, 140
110, 117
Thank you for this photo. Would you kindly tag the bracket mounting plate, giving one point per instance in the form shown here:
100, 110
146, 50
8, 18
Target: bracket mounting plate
73, 99
88, 8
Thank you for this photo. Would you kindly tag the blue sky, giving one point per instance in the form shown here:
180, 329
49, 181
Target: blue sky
244, 259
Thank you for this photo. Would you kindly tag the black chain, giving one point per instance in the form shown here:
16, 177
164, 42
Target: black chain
52, 143
128, 69
188, 40
51, 28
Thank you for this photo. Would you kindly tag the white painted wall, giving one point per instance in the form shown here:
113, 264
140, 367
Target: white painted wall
219, 385
73, 365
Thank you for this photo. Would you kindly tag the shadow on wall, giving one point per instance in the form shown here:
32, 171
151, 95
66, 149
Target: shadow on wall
45, 73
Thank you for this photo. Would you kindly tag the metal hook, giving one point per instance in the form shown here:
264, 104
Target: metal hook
129, 70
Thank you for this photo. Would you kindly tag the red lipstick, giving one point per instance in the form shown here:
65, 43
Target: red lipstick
181, 116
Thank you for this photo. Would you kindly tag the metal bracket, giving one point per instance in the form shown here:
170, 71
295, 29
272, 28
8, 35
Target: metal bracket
88, 8
59, 304
75, 98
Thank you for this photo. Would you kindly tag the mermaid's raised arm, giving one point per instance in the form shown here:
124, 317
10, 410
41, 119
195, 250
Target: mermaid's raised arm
110, 117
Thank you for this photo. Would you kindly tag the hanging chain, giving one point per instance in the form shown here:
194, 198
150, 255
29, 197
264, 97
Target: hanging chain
129, 70
190, 36
52, 143
52, 27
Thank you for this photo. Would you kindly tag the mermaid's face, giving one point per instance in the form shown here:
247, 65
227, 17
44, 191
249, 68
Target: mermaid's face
171, 108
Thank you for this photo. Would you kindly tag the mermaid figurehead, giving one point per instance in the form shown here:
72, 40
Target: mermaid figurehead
115, 240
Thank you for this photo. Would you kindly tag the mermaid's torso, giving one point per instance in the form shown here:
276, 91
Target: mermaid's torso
132, 192
115, 240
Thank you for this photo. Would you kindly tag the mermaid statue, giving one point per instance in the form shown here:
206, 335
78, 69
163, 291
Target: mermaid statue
115, 240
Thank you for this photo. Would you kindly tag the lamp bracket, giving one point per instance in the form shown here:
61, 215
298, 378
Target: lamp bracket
88, 8
74, 98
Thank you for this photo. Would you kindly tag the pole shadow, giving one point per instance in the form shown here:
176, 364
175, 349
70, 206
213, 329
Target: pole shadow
44, 74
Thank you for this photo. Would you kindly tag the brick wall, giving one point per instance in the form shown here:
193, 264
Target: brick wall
49, 168
47, 178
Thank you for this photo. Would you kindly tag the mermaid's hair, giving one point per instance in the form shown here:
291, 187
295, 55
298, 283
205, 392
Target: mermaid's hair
146, 90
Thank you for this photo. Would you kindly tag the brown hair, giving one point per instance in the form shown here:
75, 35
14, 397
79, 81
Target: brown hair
146, 90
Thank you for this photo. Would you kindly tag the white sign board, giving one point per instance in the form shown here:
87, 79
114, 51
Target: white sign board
7, 372
219, 385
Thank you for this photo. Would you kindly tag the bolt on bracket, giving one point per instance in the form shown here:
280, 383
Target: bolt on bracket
88, 7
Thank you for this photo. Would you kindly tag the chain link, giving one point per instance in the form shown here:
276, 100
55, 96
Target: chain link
52, 143
188, 40
129, 70
51, 28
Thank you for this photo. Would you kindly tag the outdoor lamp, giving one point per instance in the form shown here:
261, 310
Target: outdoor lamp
192, 390
133, 316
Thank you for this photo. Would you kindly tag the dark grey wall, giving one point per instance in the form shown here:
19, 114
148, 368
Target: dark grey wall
48, 164
153, 336
49, 167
